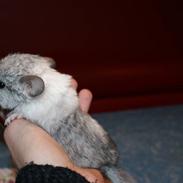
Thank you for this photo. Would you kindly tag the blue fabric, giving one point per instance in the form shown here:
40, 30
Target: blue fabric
150, 143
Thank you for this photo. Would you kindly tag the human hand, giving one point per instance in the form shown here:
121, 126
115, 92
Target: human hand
85, 97
29, 143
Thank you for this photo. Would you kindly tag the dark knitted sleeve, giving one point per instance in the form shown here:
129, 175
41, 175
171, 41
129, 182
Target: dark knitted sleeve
33, 173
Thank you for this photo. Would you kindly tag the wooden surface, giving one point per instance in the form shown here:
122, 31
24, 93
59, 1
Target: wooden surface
121, 50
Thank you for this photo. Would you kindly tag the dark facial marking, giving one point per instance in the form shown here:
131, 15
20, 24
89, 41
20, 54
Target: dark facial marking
2, 85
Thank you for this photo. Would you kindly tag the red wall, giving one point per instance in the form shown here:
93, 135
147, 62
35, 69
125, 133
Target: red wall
119, 49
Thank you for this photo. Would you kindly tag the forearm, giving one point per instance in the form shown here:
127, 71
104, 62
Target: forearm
29, 143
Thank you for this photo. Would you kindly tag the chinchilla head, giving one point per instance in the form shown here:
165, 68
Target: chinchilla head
20, 78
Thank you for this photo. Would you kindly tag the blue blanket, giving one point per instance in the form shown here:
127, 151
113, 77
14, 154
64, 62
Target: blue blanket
150, 142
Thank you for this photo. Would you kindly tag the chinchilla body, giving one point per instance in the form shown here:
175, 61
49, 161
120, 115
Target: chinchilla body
31, 88
87, 144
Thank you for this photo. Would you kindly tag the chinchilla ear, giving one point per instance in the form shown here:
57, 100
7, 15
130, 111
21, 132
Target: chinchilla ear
32, 85
51, 62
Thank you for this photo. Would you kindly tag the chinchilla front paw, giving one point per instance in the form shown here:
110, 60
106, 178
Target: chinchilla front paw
12, 117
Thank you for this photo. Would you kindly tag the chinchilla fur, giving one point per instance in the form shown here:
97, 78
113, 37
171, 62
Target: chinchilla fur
31, 88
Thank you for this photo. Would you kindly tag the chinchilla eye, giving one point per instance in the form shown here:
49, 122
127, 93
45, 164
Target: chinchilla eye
2, 84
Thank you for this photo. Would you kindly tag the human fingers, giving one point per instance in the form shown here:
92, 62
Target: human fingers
85, 98
74, 84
